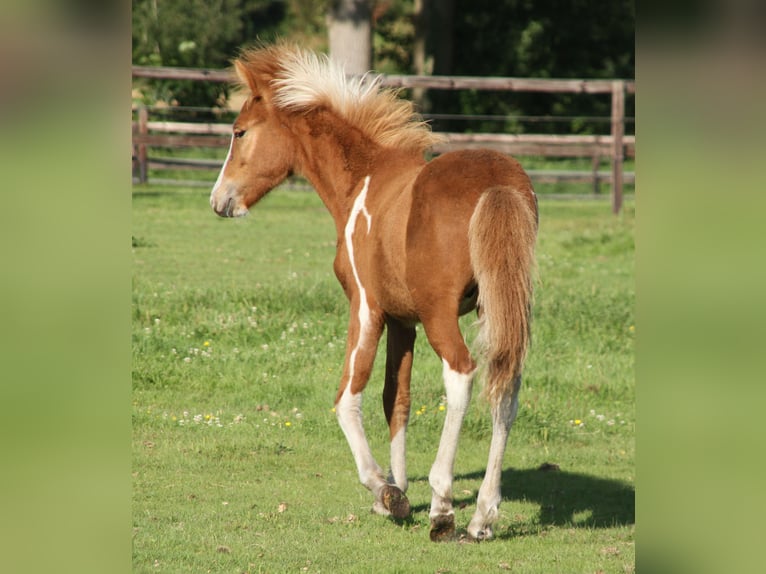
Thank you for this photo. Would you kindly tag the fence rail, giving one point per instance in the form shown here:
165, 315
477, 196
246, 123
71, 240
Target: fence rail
615, 146
412, 81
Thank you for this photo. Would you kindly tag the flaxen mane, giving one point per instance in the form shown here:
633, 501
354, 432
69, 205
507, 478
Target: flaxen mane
300, 81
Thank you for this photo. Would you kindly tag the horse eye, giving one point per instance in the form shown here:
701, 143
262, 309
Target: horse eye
238, 132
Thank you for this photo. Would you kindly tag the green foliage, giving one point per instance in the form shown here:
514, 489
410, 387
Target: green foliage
304, 22
238, 462
394, 35
189, 33
488, 38
201, 33
541, 39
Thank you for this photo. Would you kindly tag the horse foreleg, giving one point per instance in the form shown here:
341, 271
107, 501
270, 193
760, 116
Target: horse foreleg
396, 396
503, 415
365, 330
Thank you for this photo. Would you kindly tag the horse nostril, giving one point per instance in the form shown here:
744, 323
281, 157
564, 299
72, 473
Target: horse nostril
228, 208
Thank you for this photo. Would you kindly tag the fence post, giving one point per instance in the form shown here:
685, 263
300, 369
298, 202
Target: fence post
143, 129
135, 172
618, 130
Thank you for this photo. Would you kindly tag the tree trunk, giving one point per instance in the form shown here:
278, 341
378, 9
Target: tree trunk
421, 63
350, 34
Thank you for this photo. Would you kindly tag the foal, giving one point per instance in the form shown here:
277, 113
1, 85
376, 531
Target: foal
417, 242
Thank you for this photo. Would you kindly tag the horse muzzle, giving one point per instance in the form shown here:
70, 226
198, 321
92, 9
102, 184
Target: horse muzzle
226, 202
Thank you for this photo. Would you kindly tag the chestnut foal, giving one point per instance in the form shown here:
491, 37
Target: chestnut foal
417, 242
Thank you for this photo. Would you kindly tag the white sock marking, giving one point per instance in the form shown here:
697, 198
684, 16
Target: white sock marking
457, 386
458, 389
398, 459
490, 495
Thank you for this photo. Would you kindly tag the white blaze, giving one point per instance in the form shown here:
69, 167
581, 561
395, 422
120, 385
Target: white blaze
223, 168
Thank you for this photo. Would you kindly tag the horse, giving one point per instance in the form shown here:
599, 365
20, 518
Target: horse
417, 242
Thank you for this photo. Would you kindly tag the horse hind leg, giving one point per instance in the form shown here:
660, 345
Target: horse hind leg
488, 500
458, 372
458, 387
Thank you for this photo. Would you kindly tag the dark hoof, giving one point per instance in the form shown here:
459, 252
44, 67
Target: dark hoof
395, 501
443, 528
481, 536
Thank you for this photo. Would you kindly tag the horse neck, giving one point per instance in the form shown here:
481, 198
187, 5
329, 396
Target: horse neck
335, 158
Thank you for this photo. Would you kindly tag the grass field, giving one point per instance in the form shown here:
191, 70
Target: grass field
239, 464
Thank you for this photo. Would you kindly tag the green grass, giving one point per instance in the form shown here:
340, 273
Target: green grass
238, 461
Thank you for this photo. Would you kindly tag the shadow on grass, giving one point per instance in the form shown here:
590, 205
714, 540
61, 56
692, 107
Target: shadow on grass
565, 498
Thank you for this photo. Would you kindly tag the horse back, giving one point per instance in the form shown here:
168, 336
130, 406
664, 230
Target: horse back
447, 189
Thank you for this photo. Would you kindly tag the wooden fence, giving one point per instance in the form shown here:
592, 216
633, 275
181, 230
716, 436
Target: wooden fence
615, 146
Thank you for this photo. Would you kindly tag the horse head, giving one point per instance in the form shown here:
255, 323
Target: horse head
261, 154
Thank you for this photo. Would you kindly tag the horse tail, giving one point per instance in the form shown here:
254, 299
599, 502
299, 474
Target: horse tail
502, 235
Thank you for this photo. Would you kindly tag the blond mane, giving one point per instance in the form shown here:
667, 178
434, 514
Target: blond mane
300, 80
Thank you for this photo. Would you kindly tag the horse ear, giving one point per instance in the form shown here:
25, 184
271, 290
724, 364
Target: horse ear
245, 76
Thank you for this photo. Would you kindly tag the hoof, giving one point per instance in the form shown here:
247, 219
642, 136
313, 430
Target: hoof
395, 501
481, 534
443, 528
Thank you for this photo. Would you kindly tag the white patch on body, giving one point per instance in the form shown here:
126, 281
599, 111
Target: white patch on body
358, 208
